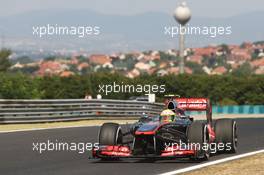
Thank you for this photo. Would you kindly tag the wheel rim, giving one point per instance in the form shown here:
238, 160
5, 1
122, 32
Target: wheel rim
118, 136
235, 136
206, 141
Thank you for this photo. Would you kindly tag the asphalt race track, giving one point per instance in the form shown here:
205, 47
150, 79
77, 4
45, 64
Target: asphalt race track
18, 158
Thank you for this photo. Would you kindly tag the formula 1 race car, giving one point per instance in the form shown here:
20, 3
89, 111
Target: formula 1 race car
172, 134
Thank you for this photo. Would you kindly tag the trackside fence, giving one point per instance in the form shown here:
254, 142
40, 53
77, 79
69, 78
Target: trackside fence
236, 109
243, 109
30, 111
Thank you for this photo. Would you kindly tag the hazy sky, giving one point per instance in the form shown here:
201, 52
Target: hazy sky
212, 8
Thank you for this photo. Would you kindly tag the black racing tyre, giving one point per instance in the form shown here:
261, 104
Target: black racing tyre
110, 134
197, 134
226, 133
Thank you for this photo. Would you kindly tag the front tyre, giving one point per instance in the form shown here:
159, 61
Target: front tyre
110, 134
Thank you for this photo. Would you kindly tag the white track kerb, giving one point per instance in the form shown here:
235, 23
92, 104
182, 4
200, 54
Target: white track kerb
184, 170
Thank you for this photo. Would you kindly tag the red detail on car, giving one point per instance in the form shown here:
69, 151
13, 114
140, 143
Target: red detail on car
145, 132
115, 153
176, 151
115, 150
211, 133
197, 104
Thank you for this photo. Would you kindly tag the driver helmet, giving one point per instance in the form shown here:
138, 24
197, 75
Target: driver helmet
167, 115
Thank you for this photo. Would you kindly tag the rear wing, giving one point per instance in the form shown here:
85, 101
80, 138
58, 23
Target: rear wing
192, 104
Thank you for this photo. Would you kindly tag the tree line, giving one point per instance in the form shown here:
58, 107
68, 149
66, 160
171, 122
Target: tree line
224, 89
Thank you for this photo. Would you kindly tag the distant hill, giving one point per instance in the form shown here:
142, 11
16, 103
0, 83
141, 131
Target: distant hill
259, 42
123, 33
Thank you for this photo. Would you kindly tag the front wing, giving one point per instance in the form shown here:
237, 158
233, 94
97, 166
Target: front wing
120, 151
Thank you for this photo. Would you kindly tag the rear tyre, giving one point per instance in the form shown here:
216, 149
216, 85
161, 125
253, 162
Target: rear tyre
226, 133
110, 134
198, 135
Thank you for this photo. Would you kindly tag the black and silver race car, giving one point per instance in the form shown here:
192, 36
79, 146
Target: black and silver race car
173, 136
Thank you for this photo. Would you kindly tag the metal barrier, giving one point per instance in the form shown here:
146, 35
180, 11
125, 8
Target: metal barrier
30, 111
